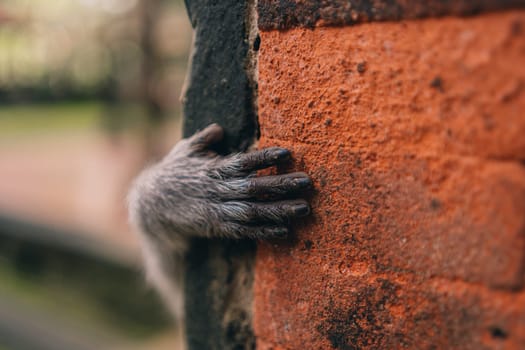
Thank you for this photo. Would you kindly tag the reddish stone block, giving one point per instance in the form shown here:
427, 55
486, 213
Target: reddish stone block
413, 135
384, 312
454, 86
455, 217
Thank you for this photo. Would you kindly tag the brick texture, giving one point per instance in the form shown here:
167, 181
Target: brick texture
413, 133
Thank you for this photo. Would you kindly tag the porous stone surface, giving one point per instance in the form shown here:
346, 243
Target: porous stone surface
286, 14
413, 133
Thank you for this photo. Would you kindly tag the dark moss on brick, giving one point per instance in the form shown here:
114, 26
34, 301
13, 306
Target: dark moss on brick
367, 322
286, 14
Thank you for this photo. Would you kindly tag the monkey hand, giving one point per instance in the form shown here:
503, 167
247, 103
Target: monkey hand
194, 191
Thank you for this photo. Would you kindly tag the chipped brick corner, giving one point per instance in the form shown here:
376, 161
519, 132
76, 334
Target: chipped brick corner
411, 122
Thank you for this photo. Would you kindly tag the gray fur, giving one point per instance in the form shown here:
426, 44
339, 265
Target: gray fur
194, 192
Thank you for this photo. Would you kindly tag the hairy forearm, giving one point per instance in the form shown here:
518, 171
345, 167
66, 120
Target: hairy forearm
194, 192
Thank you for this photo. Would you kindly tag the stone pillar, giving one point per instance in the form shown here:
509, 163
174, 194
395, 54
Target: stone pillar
410, 118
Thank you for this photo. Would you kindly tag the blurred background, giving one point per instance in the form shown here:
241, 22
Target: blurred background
89, 93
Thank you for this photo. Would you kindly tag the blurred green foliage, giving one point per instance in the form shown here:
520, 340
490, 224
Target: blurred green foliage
90, 49
24, 120
82, 66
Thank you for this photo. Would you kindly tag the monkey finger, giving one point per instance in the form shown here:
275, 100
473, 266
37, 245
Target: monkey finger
256, 213
206, 137
261, 159
235, 230
263, 187
277, 185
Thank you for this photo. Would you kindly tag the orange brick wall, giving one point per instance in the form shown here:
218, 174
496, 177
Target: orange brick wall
414, 135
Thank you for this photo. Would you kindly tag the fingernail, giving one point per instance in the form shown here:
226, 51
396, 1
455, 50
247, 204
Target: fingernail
282, 153
303, 182
301, 209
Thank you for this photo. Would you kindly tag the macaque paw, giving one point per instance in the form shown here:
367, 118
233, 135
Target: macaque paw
194, 191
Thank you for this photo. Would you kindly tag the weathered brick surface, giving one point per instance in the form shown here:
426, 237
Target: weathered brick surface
436, 86
413, 135
455, 217
355, 309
